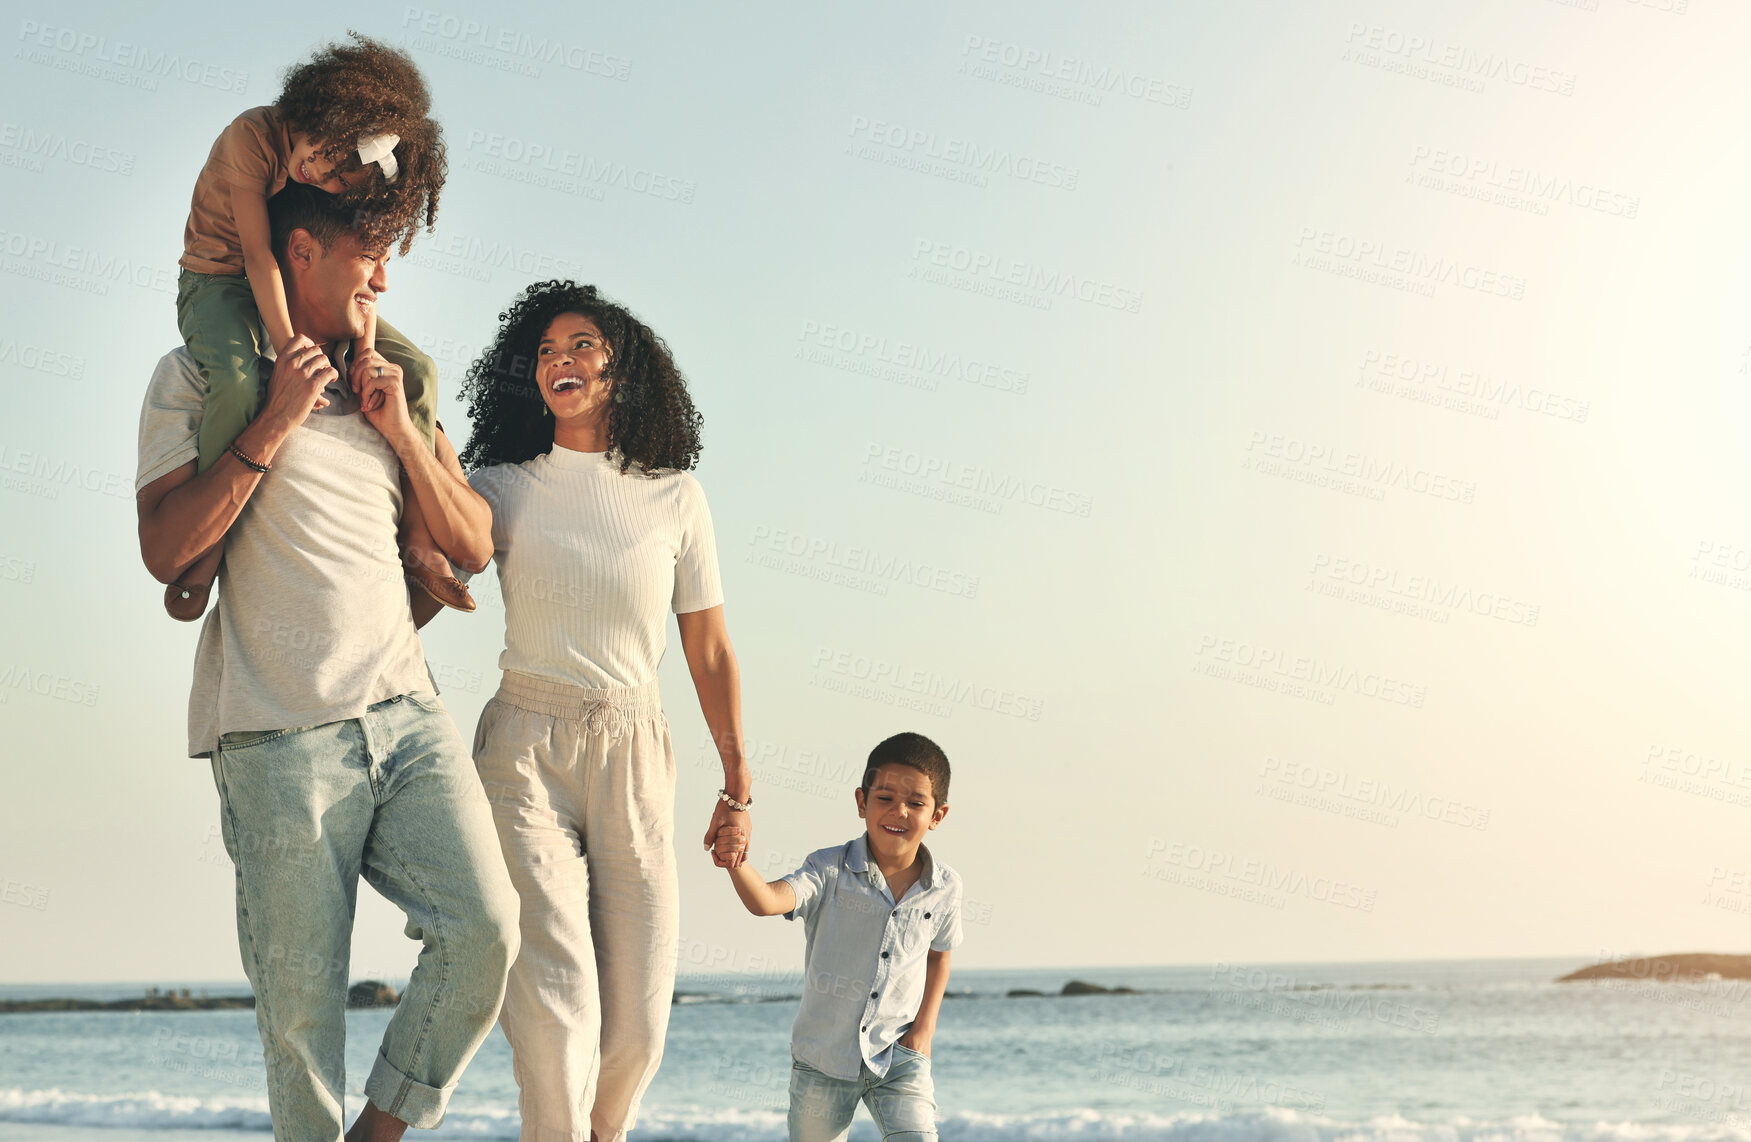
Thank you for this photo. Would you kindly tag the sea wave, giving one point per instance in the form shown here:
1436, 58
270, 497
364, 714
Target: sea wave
153, 1110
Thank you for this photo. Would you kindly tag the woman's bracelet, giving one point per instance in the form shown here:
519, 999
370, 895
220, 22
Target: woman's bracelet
245, 460
739, 806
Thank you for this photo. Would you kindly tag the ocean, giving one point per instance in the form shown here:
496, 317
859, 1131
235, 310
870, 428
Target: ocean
1457, 1051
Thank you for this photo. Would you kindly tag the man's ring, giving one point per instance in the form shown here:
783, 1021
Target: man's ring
379, 371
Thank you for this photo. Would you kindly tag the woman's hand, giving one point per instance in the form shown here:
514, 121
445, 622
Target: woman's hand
736, 822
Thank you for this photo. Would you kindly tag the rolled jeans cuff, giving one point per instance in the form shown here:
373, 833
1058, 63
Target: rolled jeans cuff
408, 1099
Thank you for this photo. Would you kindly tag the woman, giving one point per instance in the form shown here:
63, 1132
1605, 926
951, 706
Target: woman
598, 531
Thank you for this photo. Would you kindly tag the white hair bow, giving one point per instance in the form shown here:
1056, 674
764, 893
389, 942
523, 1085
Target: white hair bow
380, 149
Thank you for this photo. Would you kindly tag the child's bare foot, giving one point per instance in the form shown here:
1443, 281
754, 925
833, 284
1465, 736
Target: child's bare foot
186, 604
430, 572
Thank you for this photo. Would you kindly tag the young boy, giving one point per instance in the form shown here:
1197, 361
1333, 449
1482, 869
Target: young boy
881, 915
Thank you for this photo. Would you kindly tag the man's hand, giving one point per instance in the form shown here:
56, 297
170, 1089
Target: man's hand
382, 398
914, 1040
295, 389
182, 514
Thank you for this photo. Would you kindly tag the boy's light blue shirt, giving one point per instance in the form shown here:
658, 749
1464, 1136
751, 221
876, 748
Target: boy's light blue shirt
863, 974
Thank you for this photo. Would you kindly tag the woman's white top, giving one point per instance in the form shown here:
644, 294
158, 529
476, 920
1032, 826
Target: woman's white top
591, 562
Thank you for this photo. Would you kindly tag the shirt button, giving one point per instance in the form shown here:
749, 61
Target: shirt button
884, 955
872, 995
927, 915
866, 1028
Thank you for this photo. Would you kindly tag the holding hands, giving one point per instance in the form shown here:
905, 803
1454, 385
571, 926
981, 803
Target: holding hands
728, 835
731, 846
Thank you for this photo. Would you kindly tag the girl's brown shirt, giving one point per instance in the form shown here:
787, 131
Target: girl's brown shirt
252, 153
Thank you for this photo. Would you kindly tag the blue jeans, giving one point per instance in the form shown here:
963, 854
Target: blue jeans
393, 796
902, 1102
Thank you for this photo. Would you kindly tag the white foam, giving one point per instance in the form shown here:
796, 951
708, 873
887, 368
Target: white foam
147, 1110
153, 1110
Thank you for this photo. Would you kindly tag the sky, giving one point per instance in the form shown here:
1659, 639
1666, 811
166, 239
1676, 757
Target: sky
1288, 455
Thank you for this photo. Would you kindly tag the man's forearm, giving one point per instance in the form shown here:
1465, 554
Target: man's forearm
196, 514
459, 519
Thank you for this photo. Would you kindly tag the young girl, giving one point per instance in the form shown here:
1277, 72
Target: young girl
352, 121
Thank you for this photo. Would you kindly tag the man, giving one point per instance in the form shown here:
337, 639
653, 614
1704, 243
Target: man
331, 753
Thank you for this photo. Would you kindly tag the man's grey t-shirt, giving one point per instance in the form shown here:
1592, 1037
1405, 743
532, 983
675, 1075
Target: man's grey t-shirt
312, 623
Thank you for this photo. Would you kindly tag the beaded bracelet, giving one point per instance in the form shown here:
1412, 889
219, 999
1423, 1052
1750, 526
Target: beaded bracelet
739, 806
246, 461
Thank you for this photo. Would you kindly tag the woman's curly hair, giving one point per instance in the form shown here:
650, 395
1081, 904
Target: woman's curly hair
651, 423
350, 90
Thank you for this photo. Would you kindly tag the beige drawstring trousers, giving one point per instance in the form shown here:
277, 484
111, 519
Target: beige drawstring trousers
582, 787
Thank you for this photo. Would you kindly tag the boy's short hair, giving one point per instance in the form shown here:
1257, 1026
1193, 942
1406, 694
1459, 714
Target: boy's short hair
915, 751
303, 207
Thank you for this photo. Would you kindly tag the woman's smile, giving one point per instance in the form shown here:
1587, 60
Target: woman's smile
571, 360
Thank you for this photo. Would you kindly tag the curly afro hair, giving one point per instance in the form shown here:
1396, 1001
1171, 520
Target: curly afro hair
351, 90
652, 422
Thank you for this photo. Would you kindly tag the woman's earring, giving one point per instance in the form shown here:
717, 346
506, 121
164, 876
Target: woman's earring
545, 411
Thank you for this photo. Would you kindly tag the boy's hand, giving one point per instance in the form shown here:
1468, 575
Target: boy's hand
731, 844
913, 1041
724, 817
378, 383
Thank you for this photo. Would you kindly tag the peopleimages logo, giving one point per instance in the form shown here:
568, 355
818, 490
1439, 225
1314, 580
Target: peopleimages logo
1050, 66
1439, 594
1254, 873
866, 562
1421, 51
81, 267
513, 43
1471, 384
140, 65
41, 358
29, 680
40, 144
538, 157
1321, 246
1273, 453
962, 152
912, 356
1251, 663
1330, 783
988, 487
1028, 276
1515, 179
927, 685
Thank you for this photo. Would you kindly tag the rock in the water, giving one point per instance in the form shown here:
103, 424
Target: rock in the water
1022, 993
1083, 987
371, 993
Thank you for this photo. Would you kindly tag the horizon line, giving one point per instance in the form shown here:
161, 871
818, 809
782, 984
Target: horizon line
1593, 958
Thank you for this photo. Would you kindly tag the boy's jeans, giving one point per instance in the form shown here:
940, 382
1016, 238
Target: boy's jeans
391, 795
902, 1102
